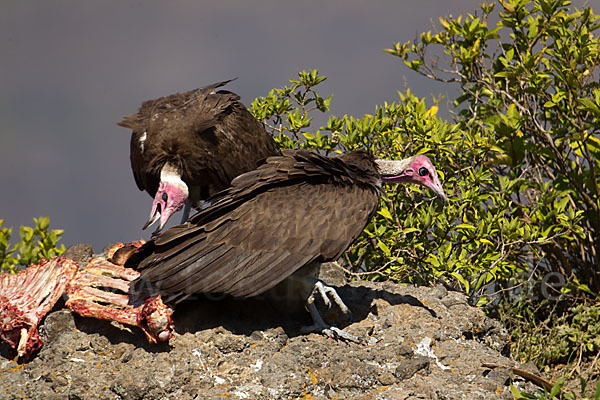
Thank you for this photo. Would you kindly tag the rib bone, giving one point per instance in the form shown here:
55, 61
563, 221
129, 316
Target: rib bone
25, 298
101, 290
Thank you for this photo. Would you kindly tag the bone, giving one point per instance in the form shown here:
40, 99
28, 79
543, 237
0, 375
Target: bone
25, 298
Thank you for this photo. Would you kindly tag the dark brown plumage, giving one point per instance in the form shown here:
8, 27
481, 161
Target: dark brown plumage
203, 137
292, 211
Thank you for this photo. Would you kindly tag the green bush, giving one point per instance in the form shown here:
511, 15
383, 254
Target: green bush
477, 237
520, 161
531, 84
557, 392
36, 243
543, 335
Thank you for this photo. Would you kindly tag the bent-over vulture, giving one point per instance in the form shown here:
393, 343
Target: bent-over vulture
188, 146
295, 211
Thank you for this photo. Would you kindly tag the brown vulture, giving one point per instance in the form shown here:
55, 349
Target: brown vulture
188, 146
289, 215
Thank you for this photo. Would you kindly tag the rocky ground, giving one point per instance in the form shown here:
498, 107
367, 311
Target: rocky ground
420, 343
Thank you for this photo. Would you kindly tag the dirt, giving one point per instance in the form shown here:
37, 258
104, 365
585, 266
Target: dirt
419, 343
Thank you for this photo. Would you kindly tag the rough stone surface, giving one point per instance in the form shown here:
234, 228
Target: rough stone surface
421, 343
81, 253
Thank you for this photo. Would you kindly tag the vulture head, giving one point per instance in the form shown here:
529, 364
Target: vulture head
416, 169
170, 197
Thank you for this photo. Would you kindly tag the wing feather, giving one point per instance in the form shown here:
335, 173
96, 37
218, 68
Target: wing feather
186, 270
260, 231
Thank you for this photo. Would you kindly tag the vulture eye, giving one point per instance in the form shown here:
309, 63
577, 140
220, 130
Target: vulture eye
165, 197
423, 171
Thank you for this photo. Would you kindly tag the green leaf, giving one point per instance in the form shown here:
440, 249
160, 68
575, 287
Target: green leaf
462, 280
385, 213
465, 226
410, 230
561, 204
386, 250
29, 250
482, 301
589, 105
558, 385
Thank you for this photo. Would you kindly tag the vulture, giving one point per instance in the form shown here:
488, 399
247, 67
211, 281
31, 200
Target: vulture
188, 146
286, 217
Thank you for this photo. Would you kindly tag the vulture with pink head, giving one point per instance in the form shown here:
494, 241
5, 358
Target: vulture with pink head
281, 220
188, 146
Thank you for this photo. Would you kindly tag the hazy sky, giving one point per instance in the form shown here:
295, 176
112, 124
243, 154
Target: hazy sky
70, 70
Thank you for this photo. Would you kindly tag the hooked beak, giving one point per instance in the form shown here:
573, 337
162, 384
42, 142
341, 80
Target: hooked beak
416, 169
169, 199
154, 215
152, 219
436, 187
157, 214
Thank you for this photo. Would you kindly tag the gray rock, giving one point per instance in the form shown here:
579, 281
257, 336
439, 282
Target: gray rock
81, 253
407, 368
423, 343
332, 274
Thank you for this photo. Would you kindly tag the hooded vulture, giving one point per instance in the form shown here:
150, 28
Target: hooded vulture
188, 146
293, 212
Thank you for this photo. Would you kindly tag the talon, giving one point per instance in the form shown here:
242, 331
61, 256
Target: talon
319, 326
325, 292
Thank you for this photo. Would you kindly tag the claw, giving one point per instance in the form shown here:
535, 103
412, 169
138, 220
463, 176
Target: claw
319, 326
324, 291
304, 281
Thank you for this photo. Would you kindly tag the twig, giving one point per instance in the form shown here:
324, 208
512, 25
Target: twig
359, 274
594, 362
538, 380
579, 360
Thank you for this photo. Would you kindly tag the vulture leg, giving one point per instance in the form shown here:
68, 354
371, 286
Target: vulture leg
319, 324
325, 290
298, 292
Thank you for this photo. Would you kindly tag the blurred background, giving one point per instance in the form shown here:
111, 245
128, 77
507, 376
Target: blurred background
70, 70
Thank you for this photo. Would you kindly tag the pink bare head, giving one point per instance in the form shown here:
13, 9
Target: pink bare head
416, 169
169, 198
